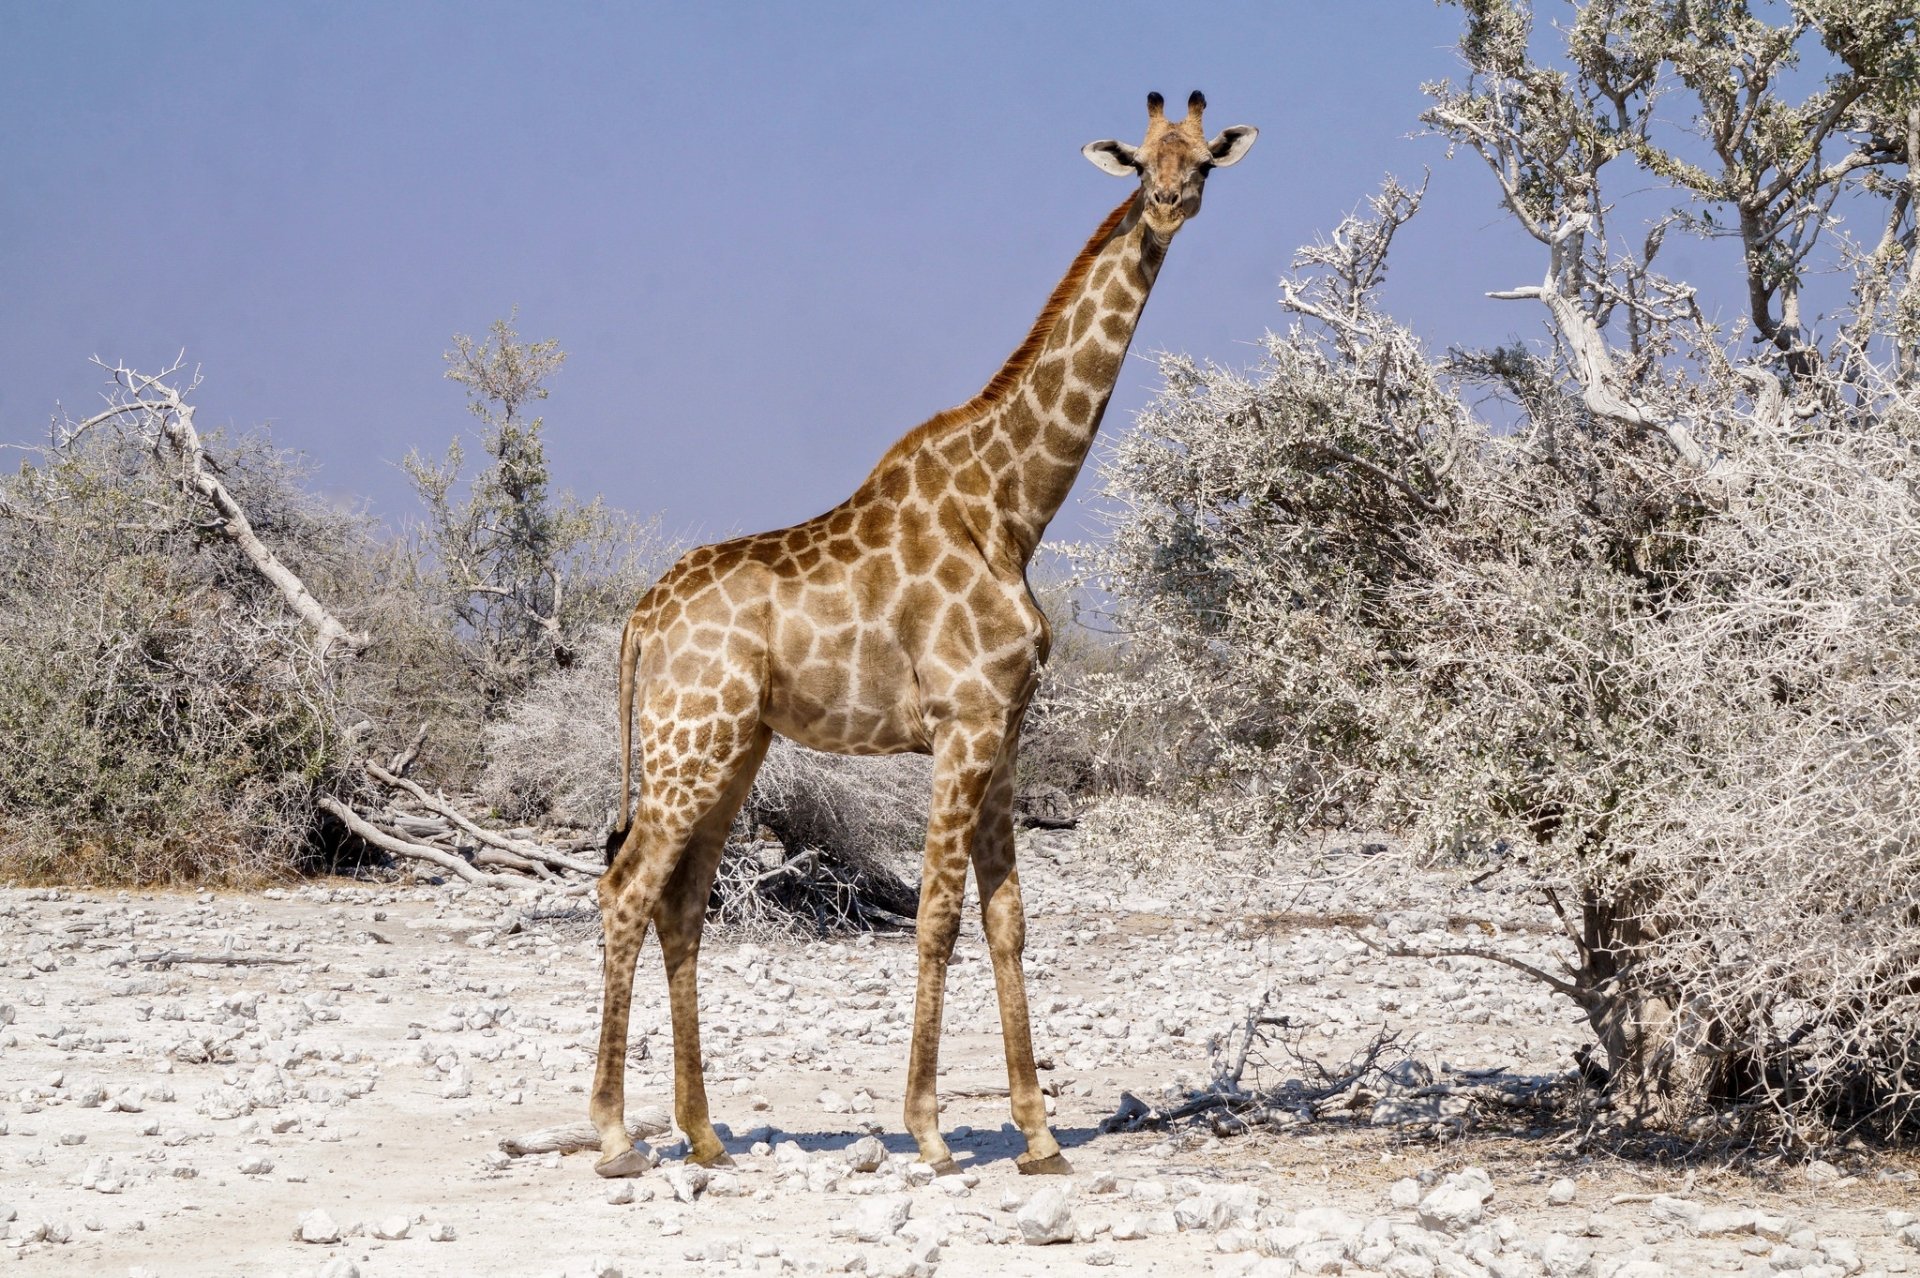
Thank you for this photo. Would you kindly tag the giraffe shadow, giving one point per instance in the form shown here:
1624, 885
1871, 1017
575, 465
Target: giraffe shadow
976, 1149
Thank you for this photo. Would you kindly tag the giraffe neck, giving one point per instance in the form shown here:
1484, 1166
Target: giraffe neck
1032, 443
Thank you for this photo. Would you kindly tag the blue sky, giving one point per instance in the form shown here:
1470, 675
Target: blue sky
771, 237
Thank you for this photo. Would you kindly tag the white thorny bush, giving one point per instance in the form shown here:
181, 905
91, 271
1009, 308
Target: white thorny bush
1632, 611
1679, 695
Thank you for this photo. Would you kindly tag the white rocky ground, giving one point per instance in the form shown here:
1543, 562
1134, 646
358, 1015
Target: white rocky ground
340, 1111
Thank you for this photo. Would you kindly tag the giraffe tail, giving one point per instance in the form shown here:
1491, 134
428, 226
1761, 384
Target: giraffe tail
629, 671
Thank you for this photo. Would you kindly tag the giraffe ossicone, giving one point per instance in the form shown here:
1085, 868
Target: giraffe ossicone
898, 621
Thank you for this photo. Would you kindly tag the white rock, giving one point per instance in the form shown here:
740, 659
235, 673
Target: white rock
866, 1154
619, 1192
318, 1227
1194, 1213
393, 1228
1677, 1211
1842, 1252
1284, 1240
256, 1165
1270, 1269
1329, 1222
1561, 1192
879, 1218
1404, 1192
1564, 1257
687, 1180
1322, 1256
442, 1233
1458, 1202
1234, 1240
339, 1267
1635, 1267
1047, 1217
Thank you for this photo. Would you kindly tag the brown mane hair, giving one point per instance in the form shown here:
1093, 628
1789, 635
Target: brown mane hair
1023, 356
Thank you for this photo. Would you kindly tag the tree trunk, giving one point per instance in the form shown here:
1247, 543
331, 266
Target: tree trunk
1669, 1060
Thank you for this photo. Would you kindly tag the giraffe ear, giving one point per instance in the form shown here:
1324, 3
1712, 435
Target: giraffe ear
1232, 144
1112, 157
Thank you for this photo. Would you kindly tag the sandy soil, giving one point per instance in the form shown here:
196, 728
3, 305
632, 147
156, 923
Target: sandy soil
185, 1117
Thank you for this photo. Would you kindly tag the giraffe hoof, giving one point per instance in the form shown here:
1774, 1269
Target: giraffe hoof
719, 1158
630, 1162
1051, 1165
946, 1167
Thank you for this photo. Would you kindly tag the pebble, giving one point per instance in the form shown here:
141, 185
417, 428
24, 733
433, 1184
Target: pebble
267, 1065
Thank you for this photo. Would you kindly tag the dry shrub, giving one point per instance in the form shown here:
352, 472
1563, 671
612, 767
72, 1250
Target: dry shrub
1063, 746
163, 716
553, 754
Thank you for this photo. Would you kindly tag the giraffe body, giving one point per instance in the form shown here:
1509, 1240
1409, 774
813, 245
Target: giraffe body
898, 621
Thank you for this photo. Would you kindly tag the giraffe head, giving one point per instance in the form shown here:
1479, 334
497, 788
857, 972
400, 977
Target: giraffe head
1173, 162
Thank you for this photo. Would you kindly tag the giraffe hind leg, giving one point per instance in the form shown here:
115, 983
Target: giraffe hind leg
628, 892
679, 917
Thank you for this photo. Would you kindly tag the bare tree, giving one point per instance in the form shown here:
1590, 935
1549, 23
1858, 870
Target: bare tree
499, 555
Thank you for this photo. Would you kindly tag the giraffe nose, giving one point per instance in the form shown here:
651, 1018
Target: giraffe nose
1166, 197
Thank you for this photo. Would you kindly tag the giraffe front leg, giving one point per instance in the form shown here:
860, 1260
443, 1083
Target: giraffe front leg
1005, 923
680, 940
962, 769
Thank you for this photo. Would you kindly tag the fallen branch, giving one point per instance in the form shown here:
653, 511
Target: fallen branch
169, 958
398, 846
527, 851
572, 1138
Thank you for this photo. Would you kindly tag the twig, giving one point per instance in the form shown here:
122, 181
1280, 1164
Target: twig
404, 760
1572, 991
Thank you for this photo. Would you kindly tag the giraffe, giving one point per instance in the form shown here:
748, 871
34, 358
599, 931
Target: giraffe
900, 620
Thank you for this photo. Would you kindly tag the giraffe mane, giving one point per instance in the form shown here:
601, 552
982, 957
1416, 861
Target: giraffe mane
1024, 355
